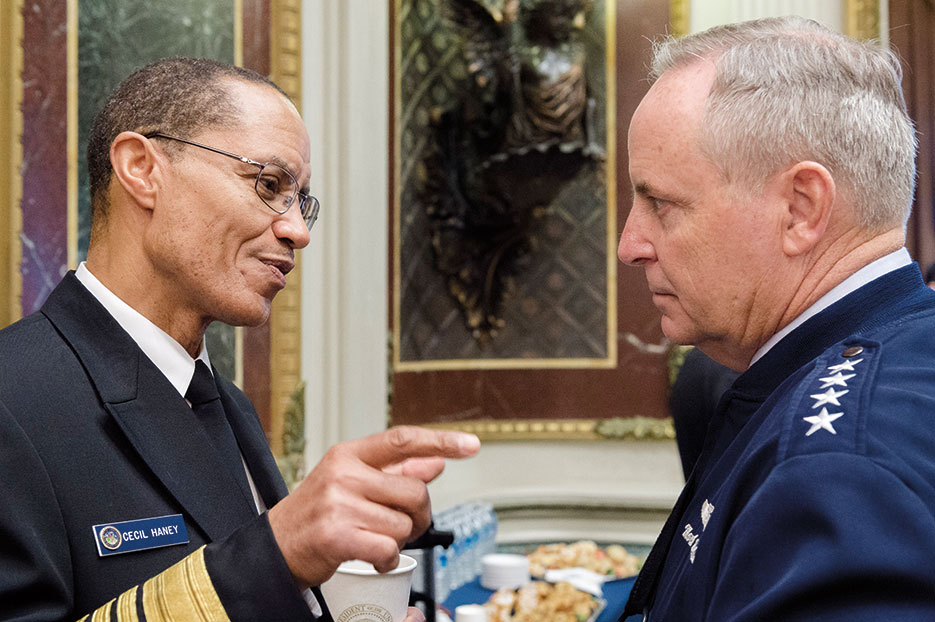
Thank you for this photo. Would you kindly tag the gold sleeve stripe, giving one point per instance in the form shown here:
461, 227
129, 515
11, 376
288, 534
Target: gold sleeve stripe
126, 606
183, 593
84, 619
102, 614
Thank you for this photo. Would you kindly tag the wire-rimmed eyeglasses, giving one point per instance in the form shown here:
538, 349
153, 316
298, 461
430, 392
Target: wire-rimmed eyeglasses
275, 185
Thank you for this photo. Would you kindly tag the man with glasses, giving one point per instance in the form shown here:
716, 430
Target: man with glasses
136, 483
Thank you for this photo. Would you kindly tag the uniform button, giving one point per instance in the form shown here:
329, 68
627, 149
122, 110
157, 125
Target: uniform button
852, 351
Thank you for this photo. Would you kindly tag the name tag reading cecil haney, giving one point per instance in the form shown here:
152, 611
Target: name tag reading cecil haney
139, 535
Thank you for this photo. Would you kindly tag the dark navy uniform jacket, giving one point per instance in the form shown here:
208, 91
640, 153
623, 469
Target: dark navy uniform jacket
92, 433
814, 497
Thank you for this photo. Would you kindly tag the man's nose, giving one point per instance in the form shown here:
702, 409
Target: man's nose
635, 247
290, 226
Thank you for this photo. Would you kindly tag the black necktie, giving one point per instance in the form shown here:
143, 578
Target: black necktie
203, 395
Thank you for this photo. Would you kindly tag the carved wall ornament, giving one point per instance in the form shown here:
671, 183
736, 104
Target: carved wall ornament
505, 144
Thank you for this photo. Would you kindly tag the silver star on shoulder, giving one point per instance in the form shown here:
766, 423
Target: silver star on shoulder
821, 421
828, 397
845, 366
839, 379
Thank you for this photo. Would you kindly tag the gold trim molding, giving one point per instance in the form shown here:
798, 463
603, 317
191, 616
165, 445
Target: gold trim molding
629, 428
11, 158
285, 320
862, 19
286, 47
680, 17
610, 61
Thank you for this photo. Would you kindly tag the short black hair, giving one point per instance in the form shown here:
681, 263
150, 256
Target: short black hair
177, 96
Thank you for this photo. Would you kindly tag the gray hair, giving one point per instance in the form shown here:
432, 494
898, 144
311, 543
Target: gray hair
789, 89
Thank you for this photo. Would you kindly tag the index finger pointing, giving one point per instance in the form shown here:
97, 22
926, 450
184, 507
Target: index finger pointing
403, 442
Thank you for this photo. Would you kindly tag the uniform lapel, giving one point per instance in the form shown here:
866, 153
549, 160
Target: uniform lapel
156, 420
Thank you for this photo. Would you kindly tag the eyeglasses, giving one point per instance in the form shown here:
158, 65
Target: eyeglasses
275, 186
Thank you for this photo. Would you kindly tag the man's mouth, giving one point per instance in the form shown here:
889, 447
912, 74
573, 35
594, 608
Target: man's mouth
279, 267
660, 297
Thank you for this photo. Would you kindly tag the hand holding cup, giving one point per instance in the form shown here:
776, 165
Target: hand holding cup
358, 591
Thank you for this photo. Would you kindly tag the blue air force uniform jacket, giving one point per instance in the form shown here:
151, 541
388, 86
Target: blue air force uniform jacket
814, 497
91, 433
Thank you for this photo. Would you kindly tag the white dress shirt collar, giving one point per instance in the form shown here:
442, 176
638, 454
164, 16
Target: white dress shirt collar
165, 352
874, 270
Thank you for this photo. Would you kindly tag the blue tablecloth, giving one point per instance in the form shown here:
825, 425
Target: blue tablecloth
615, 593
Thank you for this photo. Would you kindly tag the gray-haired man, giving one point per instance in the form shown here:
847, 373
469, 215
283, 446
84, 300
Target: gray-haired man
772, 169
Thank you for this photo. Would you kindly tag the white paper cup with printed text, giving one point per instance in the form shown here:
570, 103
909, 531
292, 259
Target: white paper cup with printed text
358, 593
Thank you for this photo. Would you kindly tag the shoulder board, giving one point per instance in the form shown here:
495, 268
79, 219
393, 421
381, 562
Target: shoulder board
827, 408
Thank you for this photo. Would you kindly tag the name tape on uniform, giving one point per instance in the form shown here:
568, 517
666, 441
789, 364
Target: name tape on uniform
139, 535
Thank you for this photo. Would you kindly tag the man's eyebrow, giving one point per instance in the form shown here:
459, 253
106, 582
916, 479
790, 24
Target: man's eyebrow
642, 188
279, 161
282, 163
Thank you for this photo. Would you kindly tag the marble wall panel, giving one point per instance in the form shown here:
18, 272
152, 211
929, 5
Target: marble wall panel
44, 235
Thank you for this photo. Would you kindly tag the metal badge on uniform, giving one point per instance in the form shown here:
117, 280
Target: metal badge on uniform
139, 535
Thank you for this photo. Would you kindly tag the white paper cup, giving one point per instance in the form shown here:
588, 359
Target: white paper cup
358, 593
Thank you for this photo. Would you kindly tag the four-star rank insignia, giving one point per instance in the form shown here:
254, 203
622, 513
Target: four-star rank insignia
833, 386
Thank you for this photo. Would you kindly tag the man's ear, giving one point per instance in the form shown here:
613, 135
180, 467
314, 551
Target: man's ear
810, 192
136, 167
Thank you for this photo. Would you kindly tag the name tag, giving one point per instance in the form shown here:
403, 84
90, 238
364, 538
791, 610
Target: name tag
138, 535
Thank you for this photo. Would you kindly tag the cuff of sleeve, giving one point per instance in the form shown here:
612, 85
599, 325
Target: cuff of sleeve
251, 577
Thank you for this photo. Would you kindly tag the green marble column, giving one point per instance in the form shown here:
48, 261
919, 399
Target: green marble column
115, 37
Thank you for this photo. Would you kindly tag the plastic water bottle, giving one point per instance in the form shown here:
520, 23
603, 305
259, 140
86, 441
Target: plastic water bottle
441, 574
488, 532
444, 558
474, 526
